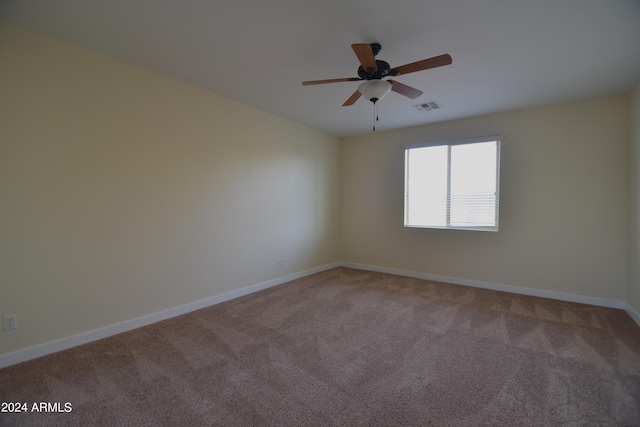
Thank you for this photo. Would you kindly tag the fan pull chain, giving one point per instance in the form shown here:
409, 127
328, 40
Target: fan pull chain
375, 115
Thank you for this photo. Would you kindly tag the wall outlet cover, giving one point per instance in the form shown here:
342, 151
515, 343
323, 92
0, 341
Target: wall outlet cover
9, 322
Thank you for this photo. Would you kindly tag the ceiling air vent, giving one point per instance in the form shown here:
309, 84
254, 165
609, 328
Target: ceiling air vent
428, 106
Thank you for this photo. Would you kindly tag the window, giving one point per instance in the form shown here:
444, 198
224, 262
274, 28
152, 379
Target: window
453, 184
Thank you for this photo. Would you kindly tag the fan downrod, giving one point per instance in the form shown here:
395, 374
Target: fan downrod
376, 48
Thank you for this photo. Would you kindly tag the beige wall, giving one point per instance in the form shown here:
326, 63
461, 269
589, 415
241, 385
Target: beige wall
633, 295
564, 208
124, 193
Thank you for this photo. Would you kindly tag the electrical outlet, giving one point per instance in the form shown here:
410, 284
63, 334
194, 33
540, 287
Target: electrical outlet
10, 321
280, 262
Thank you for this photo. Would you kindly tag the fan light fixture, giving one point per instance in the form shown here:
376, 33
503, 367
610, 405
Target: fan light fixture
374, 90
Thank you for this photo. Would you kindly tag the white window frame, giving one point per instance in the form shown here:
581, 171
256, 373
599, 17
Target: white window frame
492, 138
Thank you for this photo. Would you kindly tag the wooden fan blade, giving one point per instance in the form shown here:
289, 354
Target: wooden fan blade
365, 55
425, 64
352, 99
319, 82
405, 90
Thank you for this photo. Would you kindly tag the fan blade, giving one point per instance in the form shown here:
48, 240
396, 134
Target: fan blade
425, 64
352, 99
319, 82
365, 55
405, 90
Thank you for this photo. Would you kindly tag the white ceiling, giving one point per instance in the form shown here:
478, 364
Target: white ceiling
507, 54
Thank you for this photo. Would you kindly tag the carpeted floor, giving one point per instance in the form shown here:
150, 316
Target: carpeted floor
348, 347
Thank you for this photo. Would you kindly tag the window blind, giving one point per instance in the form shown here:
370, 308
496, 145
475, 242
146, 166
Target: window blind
453, 184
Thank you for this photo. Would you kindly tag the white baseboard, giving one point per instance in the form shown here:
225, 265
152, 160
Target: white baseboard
97, 334
602, 302
86, 337
634, 314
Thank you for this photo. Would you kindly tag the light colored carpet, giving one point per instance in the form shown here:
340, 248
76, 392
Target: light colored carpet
346, 347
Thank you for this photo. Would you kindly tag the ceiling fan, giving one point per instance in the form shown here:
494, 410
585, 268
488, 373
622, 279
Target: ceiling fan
373, 71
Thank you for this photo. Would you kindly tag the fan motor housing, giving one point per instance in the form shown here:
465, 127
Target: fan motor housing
383, 71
